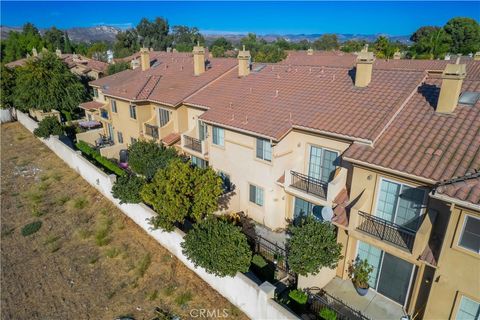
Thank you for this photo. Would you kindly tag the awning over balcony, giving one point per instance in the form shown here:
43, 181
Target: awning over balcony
171, 139
91, 105
340, 216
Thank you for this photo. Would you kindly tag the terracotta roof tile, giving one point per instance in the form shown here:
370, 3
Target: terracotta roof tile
171, 138
466, 188
278, 97
91, 105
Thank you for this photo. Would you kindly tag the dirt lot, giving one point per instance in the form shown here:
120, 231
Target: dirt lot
87, 261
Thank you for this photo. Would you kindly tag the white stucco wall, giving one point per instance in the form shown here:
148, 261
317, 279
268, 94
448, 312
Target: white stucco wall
255, 301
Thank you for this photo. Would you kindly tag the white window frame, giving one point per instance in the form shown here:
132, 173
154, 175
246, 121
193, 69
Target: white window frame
134, 108
377, 194
218, 129
309, 151
95, 92
113, 104
256, 188
460, 303
164, 111
257, 139
463, 230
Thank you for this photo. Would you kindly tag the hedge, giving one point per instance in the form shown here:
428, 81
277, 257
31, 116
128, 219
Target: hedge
95, 155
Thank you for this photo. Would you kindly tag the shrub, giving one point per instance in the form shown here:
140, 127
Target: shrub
180, 191
95, 155
312, 246
218, 246
127, 188
146, 157
298, 296
31, 228
47, 127
327, 314
259, 261
359, 271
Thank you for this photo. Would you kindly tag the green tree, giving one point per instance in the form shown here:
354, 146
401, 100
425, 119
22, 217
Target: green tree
127, 188
185, 38
312, 246
146, 157
46, 84
464, 34
430, 42
326, 42
127, 43
18, 44
54, 39
218, 246
7, 87
218, 52
68, 45
384, 48
181, 190
154, 34
353, 45
98, 50
117, 67
48, 126
222, 43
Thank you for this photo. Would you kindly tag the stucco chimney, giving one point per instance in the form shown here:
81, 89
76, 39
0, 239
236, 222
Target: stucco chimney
243, 62
476, 56
363, 73
198, 59
58, 52
144, 59
34, 52
452, 79
310, 52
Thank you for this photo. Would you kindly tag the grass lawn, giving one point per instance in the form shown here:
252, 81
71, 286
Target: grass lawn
68, 253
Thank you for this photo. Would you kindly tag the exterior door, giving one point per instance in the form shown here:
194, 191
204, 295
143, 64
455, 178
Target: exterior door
202, 130
322, 164
110, 132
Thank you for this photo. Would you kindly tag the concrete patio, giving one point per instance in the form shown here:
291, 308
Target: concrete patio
373, 305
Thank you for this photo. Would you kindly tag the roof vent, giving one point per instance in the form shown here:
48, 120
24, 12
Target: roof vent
259, 67
469, 98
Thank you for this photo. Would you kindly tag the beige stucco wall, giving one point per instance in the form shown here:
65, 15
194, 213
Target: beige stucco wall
458, 271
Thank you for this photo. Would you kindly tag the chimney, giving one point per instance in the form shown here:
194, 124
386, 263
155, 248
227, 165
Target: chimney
476, 56
144, 59
310, 52
363, 73
58, 52
34, 52
397, 55
198, 59
244, 62
452, 79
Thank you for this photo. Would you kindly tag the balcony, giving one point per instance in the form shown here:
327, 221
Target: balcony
385, 230
193, 145
151, 130
314, 190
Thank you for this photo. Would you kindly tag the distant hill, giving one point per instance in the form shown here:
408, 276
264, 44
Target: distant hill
108, 34
80, 34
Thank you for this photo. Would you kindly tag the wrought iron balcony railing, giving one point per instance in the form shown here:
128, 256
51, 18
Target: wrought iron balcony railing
385, 230
192, 144
309, 184
151, 131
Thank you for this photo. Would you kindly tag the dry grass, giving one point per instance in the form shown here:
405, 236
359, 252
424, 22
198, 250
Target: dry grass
87, 260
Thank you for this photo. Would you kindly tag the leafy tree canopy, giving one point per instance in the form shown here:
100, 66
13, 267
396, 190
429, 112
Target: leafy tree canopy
464, 34
154, 34
326, 42
117, 67
218, 246
181, 191
185, 38
312, 246
127, 188
7, 87
146, 157
45, 84
48, 126
222, 43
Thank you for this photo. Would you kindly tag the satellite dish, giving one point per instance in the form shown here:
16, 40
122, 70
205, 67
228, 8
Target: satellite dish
327, 213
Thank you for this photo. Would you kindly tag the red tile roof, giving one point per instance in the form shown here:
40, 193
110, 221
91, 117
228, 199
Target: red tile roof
277, 98
427, 144
91, 105
171, 138
466, 188
68, 59
168, 81
156, 54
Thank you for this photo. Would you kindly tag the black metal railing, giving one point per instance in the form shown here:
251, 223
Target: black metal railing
151, 131
387, 231
192, 144
320, 299
104, 114
271, 252
309, 184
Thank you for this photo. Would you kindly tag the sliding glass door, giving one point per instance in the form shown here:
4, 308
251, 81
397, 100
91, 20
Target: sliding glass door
322, 164
391, 276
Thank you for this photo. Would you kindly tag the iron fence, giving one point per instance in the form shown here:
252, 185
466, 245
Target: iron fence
320, 299
192, 144
151, 131
309, 184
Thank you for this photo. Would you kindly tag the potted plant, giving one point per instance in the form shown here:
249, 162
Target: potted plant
298, 301
359, 271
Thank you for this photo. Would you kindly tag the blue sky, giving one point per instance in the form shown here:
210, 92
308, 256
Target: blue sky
393, 18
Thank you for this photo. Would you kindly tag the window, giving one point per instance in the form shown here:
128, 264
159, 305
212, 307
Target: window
95, 92
199, 162
133, 111
322, 164
400, 204
163, 116
468, 309
120, 137
202, 130
256, 195
218, 136
132, 140
303, 208
114, 105
470, 237
264, 149
226, 183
